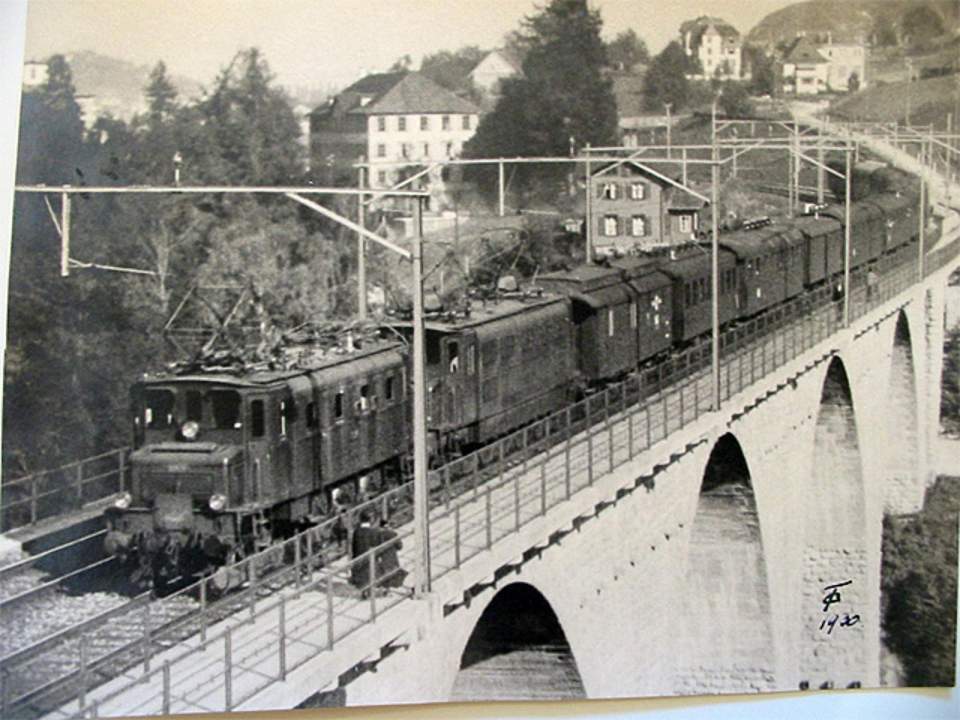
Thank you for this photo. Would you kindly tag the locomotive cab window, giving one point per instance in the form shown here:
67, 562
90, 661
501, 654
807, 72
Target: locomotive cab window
225, 405
194, 405
158, 409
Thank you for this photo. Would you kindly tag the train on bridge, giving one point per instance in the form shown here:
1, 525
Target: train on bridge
229, 459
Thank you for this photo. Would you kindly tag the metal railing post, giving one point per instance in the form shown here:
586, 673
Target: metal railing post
283, 638
82, 695
516, 503
543, 482
228, 670
372, 587
566, 455
122, 463
145, 646
456, 536
489, 519
166, 687
330, 628
203, 609
80, 484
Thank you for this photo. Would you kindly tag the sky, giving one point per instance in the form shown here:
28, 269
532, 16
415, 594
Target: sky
327, 43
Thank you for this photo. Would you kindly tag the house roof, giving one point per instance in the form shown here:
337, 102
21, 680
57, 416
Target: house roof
395, 93
703, 23
508, 57
803, 51
416, 93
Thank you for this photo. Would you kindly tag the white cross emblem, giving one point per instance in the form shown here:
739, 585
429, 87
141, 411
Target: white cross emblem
656, 303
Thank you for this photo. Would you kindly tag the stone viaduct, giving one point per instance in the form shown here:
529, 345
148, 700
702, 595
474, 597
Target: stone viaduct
705, 564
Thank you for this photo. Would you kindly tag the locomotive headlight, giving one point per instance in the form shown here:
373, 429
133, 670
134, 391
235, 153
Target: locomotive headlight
217, 502
190, 430
123, 502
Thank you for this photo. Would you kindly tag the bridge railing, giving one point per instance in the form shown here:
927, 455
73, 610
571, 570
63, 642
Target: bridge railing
484, 497
42, 495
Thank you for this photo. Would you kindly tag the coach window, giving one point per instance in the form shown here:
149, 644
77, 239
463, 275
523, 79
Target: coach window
363, 403
633, 314
610, 322
226, 409
453, 357
158, 412
388, 388
282, 418
257, 425
338, 406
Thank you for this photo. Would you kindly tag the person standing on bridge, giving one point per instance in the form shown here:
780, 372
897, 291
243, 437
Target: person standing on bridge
365, 539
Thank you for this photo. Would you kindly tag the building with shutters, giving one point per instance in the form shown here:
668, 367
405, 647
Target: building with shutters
389, 118
716, 44
635, 208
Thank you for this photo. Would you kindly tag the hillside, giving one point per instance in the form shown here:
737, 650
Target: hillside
117, 85
852, 19
930, 101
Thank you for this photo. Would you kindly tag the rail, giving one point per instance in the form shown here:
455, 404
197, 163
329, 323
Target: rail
471, 511
46, 494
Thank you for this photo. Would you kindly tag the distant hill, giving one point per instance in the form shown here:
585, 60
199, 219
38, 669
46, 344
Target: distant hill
850, 19
117, 85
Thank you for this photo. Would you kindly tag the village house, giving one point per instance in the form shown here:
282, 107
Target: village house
635, 208
496, 66
389, 119
716, 44
810, 68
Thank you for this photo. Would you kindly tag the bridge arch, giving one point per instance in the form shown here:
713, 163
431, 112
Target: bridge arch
727, 625
518, 650
902, 485
835, 578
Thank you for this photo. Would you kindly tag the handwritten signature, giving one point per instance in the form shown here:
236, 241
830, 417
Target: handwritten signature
833, 620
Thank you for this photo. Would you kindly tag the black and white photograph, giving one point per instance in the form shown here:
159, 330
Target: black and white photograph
420, 352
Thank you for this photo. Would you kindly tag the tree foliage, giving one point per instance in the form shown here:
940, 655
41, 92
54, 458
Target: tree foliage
950, 387
919, 587
666, 79
452, 69
563, 93
734, 99
75, 344
627, 50
763, 71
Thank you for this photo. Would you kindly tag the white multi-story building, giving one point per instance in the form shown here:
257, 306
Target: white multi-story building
390, 119
716, 44
810, 68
